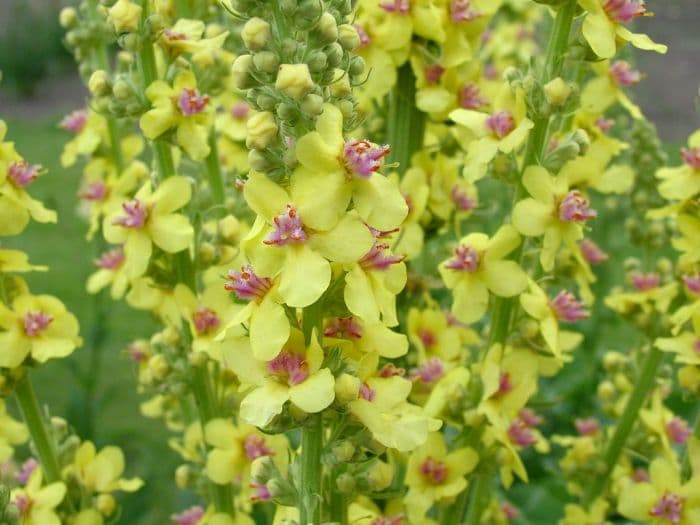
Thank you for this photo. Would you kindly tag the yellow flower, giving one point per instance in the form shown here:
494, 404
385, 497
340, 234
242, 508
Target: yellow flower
503, 130
295, 375
148, 218
100, 472
378, 62
478, 268
17, 261
591, 169
578, 515
689, 229
434, 475
336, 171
556, 212
604, 24
235, 447
282, 242
664, 499
12, 432
683, 182
111, 272
186, 37
90, 129
146, 294
38, 326
415, 191
607, 88
649, 295
685, 345
357, 338
125, 16
179, 107
35, 503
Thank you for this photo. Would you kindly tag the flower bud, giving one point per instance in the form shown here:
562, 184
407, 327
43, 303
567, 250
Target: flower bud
282, 491
197, 359
122, 90
68, 18
105, 504
262, 469
158, 366
207, 252
347, 108
689, 378
130, 42
345, 483
379, 476
308, 12
288, 7
606, 391
327, 28
125, 16
317, 61
265, 102
98, 83
357, 66
256, 34
557, 91
289, 47
262, 130
312, 105
340, 87
294, 80
348, 37
266, 61
184, 477
240, 72
612, 360
229, 228
287, 112
258, 161
155, 24
334, 52
347, 388
343, 452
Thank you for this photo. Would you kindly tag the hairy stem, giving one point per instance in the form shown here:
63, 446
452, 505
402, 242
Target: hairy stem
405, 122
310, 481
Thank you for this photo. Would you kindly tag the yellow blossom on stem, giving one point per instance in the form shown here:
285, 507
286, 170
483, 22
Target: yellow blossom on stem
683, 182
12, 433
125, 16
100, 472
17, 261
186, 37
37, 503
37, 326
148, 219
478, 267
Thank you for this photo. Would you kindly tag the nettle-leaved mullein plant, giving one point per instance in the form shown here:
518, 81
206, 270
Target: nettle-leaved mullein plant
413, 262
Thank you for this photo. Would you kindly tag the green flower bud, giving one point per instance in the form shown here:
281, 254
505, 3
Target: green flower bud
184, 477
294, 80
207, 252
287, 112
263, 469
282, 492
347, 108
229, 228
288, 7
327, 28
379, 476
106, 504
340, 87
357, 66
266, 61
613, 360
68, 18
312, 105
240, 72
130, 42
317, 61
265, 102
262, 130
155, 24
606, 391
557, 91
343, 452
334, 53
308, 12
345, 483
347, 387
256, 34
258, 161
289, 47
197, 359
122, 90
98, 83
125, 16
348, 37
159, 367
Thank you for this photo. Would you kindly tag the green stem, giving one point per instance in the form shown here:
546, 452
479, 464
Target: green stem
208, 408
405, 122
455, 512
310, 482
38, 428
214, 175
339, 505
612, 453
479, 499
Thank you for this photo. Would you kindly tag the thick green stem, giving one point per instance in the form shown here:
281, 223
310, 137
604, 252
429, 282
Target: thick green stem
479, 498
642, 387
455, 513
214, 175
405, 122
339, 505
310, 481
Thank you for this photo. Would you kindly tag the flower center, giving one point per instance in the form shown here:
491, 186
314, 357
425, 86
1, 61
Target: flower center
255, 447
519, 434
289, 367
391, 370
240, 111
623, 74
28, 467
604, 124
669, 508
592, 252
461, 199
190, 102
678, 430
402, 7
260, 492
429, 372
246, 284
136, 215
23, 503
427, 337
567, 308
95, 191
462, 11
190, 516
172, 35
691, 157
377, 257
367, 392
434, 471
388, 520
505, 384
466, 259
343, 328
645, 281
500, 123
624, 11
575, 208
110, 260
205, 320
692, 283
434, 73
365, 39
470, 97
288, 229
22, 174
75, 121
529, 417
587, 427
696, 346
36, 322
363, 158
640, 475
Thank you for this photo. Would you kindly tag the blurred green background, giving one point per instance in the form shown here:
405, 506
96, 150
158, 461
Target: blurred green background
40, 86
